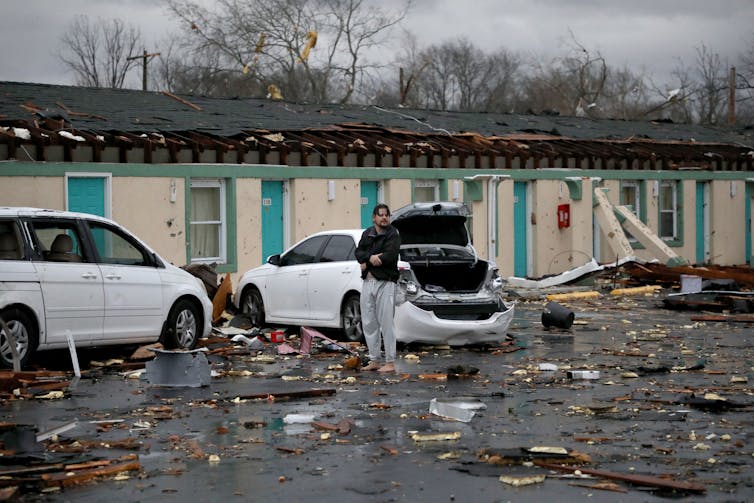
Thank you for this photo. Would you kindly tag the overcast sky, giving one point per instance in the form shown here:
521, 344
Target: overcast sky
641, 34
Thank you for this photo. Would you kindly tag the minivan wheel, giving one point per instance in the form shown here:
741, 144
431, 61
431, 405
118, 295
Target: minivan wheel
23, 331
350, 317
183, 326
252, 306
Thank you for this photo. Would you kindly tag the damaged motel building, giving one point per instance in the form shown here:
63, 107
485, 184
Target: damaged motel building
232, 181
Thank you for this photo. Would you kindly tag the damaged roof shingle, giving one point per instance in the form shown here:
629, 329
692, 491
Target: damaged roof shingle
106, 115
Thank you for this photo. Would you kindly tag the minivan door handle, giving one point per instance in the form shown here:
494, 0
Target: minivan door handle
113, 276
89, 275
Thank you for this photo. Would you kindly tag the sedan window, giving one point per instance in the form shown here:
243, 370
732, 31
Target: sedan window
339, 249
115, 247
304, 253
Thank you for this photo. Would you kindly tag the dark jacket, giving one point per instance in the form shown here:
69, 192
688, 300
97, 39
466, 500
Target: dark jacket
386, 245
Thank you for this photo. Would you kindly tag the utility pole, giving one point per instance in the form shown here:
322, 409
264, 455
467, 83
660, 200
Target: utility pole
146, 57
732, 96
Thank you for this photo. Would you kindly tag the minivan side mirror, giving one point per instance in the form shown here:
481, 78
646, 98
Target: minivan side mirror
274, 259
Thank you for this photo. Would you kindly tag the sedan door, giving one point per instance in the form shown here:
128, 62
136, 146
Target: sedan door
336, 272
71, 284
132, 286
285, 295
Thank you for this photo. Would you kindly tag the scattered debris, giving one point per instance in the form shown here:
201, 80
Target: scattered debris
522, 481
556, 315
460, 409
435, 437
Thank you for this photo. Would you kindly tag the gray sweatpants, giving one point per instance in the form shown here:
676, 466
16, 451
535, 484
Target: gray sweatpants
377, 311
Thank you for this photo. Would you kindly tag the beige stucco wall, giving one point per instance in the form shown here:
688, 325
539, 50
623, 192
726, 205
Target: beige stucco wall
312, 211
560, 249
143, 206
34, 191
479, 224
397, 193
505, 235
249, 225
688, 250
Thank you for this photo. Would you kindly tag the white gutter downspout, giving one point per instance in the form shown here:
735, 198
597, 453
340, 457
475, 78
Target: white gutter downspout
492, 182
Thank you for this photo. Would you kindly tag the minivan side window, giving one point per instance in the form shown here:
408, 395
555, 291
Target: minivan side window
115, 247
58, 241
10, 242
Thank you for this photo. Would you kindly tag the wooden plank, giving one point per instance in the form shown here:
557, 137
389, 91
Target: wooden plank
307, 393
636, 479
67, 479
733, 318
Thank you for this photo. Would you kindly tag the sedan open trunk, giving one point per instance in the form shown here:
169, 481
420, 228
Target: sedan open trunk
448, 294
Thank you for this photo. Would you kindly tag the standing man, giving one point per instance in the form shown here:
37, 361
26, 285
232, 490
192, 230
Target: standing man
378, 255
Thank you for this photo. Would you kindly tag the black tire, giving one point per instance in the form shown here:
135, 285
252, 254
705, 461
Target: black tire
183, 327
350, 319
252, 306
24, 332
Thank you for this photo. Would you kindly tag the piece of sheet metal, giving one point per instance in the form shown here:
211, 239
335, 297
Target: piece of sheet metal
179, 368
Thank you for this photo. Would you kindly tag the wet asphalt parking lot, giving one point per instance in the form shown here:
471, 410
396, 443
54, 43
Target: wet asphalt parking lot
671, 401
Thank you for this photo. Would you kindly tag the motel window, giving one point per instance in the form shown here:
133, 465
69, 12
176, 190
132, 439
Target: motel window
426, 191
208, 221
630, 196
668, 206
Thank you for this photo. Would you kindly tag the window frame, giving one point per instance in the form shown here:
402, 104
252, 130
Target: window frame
426, 183
676, 210
636, 206
221, 185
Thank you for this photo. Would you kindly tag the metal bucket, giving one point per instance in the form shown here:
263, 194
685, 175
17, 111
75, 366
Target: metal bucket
558, 316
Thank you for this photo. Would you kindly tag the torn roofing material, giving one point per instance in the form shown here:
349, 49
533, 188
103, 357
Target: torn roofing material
126, 118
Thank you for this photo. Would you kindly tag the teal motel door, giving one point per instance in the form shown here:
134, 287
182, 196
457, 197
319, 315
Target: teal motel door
702, 222
520, 223
86, 194
368, 201
272, 218
748, 223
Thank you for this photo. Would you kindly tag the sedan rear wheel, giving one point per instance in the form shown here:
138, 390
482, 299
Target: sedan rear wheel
351, 319
253, 306
23, 331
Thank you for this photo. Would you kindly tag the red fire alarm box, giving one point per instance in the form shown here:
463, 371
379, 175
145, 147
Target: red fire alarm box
564, 216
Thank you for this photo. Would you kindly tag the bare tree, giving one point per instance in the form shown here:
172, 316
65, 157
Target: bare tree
438, 81
97, 52
712, 89
311, 50
457, 75
625, 96
745, 86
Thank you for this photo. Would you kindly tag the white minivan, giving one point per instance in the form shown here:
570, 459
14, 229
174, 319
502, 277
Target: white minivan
73, 274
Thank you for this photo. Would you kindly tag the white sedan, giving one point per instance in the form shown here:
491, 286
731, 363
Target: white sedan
317, 283
446, 294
